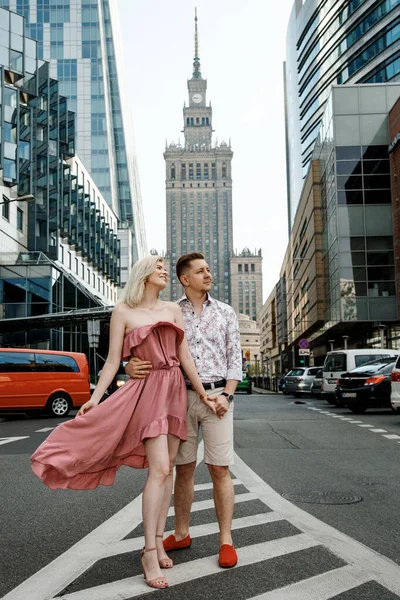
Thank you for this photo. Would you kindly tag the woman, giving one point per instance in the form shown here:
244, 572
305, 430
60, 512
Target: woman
143, 422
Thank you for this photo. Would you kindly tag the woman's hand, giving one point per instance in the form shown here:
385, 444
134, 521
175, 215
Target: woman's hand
86, 407
209, 402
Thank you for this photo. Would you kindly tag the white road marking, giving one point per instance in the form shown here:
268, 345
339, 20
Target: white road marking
9, 440
206, 504
320, 587
346, 418
366, 425
354, 422
375, 565
133, 544
209, 486
378, 430
44, 429
202, 567
391, 436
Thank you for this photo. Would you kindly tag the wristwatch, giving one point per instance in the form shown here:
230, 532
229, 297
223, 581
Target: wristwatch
228, 396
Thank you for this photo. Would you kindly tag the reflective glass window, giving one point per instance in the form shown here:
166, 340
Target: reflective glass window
350, 197
17, 362
56, 363
377, 197
375, 182
16, 62
348, 152
348, 167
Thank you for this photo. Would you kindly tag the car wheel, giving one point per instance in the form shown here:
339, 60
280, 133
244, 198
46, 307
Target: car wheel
358, 410
59, 405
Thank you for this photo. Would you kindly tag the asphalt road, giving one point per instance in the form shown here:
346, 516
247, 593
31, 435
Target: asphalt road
85, 545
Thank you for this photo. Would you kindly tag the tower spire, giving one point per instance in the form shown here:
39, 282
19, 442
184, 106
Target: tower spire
196, 64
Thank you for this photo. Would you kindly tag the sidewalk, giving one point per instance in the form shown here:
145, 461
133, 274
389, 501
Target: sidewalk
265, 392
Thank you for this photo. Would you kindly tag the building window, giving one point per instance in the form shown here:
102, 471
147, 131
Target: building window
20, 219
183, 171
94, 280
198, 171
303, 229
88, 275
5, 211
69, 260
246, 268
214, 171
83, 271
191, 175
224, 169
173, 171
205, 170
240, 268
76, 266
253, 268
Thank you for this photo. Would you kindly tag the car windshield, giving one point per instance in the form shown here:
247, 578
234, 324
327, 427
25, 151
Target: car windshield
374, 368
296, 372
313, 371
319, 374
335, 362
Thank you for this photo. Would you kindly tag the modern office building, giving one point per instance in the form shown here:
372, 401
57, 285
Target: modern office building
79, 39
199, 191
340, 273
329, 43
246, 282
59, 252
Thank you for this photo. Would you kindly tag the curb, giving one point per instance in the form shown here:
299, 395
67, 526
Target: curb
262, 392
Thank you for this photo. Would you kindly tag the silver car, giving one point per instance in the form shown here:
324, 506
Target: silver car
316, 386
299, 380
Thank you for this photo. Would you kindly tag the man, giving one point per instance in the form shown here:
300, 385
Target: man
212, 332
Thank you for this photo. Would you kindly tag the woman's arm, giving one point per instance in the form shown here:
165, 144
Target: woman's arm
117, 332
188, 364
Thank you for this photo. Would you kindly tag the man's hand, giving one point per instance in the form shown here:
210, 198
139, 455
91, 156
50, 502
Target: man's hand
137, 368
221, 405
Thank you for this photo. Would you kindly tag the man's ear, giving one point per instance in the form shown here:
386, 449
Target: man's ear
184, 280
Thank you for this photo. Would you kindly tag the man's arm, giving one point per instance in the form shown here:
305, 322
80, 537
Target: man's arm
234, 362
138, 368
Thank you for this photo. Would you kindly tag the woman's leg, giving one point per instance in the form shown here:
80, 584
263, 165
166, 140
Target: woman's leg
153, 494
173, 445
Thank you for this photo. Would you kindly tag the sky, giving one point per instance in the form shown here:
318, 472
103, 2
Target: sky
242, 49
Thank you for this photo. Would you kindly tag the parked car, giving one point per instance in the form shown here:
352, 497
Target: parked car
395, 393
316, 385
339, 362
298, 381
368, 386
245, 385
35, 380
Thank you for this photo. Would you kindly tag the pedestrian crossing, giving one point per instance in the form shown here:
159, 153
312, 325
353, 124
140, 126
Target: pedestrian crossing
284, 554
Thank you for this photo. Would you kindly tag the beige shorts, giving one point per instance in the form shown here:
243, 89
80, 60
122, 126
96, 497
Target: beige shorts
217, 433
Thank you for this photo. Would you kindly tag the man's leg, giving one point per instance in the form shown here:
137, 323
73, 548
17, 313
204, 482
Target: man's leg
183, 498
224, 499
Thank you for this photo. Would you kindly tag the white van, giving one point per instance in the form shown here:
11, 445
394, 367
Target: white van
341, 361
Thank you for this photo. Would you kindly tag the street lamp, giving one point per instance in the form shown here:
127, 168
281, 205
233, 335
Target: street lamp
345, 338
27, 198
331, 344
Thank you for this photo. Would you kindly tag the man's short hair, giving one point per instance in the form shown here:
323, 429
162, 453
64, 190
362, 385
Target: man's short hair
184, 262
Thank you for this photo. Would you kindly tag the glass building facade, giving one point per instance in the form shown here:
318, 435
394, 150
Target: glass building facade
356, 203
68, 234
77, 37
332, 42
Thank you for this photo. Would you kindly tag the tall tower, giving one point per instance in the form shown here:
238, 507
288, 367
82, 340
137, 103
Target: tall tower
199, 191
80, 39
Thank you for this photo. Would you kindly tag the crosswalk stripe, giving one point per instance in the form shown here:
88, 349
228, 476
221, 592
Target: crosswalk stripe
131, 587
378, 430
206, 504
392, 436
382, 569
44, 429
209, 486
320, 587
133, 544
12, 439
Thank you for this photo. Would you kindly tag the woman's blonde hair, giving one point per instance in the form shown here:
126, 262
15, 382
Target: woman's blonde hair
133, 291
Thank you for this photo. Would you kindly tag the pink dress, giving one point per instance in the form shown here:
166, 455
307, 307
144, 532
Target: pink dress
88, 450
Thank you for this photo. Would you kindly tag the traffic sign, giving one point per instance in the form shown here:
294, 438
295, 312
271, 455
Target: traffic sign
304, 343
304, 351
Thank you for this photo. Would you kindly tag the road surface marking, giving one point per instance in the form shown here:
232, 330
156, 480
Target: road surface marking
196, 531
44, 429
9, 440
209, 486
391, 436
130, 587
366, 425
378, 430
354, 422
378, 567
321, 587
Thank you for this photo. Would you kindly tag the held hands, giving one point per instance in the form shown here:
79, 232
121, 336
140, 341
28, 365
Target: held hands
219, 405
137, 368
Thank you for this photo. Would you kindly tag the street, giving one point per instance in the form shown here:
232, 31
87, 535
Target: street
334, 539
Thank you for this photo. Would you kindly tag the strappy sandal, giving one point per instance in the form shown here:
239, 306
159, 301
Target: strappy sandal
165, 563
159, 582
